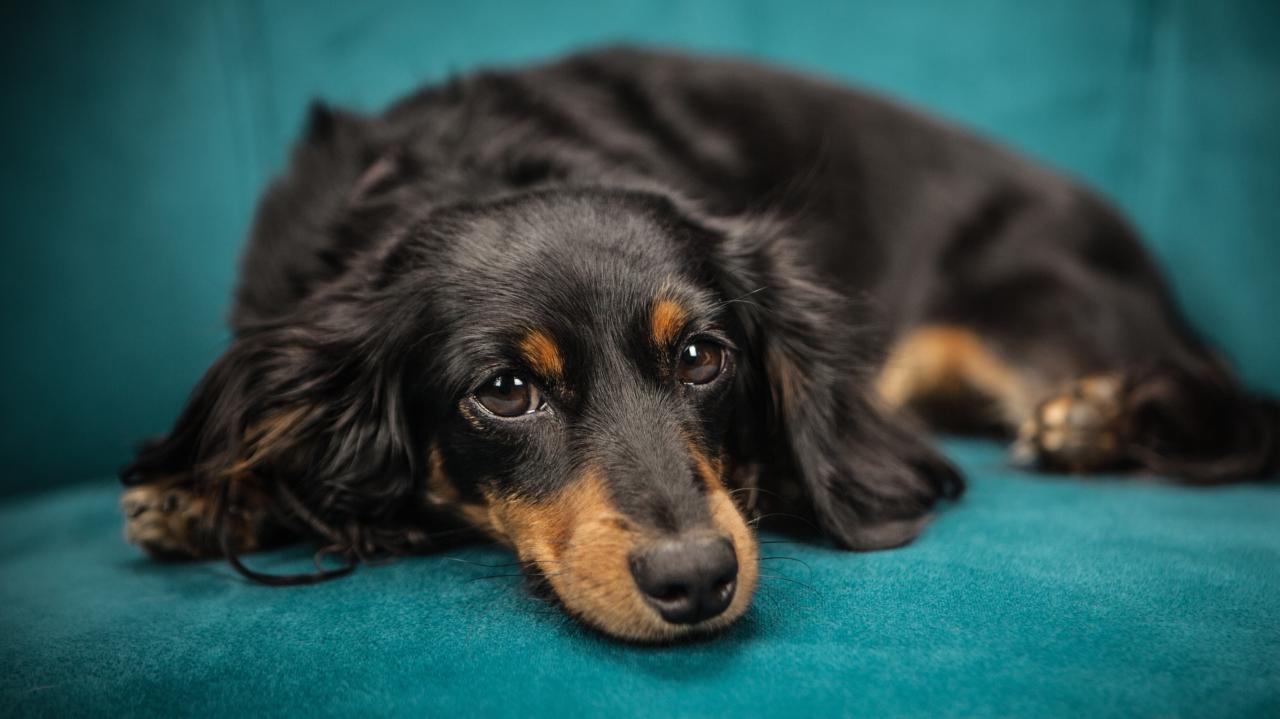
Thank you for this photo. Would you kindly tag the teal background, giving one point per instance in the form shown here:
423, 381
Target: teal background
1034, 597
136, 136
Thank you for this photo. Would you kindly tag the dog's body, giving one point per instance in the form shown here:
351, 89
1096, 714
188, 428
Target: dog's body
580, 306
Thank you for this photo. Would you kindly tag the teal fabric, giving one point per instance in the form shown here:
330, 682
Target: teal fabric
136, 137
1035, 596
137, 134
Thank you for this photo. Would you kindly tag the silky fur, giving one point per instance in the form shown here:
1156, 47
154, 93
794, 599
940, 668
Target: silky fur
579, 222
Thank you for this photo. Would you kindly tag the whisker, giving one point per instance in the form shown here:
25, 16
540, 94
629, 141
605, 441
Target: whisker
522, 575
517, 563
789, 559
495, 576
754, 489
460, 560
739, 299
756, 521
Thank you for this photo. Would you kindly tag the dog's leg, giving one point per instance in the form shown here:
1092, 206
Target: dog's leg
1049, 322
171, 518
955, 379
1180, 417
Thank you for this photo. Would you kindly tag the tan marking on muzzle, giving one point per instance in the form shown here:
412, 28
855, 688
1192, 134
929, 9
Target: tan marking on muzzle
582, 544
727, 517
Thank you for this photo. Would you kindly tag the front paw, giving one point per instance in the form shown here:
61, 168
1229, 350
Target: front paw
175, 522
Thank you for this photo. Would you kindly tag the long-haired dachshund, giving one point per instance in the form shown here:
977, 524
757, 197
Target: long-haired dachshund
606, 310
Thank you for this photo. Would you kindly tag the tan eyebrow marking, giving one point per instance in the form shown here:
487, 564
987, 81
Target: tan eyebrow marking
542, 355
666, 321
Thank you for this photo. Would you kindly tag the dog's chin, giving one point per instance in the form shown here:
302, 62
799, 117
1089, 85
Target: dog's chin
663, 632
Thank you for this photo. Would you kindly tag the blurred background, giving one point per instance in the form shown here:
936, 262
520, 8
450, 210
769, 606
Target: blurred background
137, 136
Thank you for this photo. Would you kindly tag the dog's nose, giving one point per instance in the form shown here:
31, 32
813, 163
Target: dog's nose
687, 579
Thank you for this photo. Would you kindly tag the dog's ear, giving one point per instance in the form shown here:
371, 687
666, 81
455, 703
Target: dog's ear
869, 477
313, 403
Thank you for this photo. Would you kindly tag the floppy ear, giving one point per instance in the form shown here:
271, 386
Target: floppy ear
869, 477
309, 410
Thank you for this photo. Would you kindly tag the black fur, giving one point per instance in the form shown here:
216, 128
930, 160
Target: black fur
805, 224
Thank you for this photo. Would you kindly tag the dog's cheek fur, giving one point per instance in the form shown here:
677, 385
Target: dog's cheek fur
579, 543
869, 477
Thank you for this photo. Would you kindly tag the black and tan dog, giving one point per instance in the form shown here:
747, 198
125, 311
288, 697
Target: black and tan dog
606, 309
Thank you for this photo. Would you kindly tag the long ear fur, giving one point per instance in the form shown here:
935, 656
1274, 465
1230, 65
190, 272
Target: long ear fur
870, 478
309, 408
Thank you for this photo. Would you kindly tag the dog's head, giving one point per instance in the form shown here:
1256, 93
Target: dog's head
586, 375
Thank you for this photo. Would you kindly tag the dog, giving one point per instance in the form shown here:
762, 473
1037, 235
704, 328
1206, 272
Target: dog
612, 309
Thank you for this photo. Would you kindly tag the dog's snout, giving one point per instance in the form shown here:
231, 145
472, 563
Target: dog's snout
689, 578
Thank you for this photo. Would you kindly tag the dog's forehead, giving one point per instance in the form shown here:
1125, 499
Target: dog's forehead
563, 284
571, 259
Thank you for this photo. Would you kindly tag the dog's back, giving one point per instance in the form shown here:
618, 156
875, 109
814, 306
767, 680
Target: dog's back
862, 179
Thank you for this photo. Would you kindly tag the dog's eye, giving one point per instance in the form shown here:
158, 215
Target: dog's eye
700, 362
509, 395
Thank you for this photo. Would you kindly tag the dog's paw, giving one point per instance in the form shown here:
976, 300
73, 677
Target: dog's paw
175, 522
1079, 430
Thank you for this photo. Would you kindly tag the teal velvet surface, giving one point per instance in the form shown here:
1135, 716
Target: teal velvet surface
1034, 596
137, 134
136, 137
